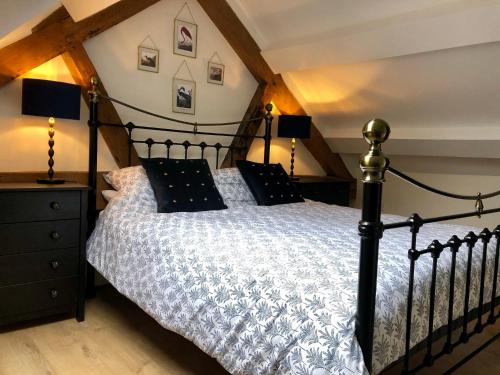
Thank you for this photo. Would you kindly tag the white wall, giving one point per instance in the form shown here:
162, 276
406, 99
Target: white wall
443, 111
448, 94
114, 54
450, 174
24, 138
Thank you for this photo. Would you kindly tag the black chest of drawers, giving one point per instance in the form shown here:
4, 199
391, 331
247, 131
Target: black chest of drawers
42, 250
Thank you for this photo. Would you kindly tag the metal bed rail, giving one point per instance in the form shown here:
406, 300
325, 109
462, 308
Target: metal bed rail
371, 229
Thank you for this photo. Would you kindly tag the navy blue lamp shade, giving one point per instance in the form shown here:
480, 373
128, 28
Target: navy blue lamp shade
294, 126
51, 99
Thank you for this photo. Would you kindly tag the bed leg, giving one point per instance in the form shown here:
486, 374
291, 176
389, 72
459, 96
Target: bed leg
90, 287
92, 179
373, 165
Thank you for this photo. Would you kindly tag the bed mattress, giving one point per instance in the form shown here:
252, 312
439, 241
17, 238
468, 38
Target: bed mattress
272, 290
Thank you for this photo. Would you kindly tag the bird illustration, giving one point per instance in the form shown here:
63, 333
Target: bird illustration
185, 33
183, 97
182, 92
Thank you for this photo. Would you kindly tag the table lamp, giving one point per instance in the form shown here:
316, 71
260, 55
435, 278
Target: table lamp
290, 126
51, 99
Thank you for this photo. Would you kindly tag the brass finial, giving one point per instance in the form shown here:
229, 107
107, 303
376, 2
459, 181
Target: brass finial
374, 163
93, 92
269, 107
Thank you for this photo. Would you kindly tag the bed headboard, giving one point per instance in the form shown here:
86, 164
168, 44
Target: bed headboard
192, 128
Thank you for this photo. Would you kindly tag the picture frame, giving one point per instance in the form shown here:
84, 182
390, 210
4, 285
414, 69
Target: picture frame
183, 96
185, 38
215, 73
148, 59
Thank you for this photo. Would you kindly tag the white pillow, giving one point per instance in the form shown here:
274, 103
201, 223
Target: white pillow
228, 176
132, 183
127, 178
109, 194
231, 185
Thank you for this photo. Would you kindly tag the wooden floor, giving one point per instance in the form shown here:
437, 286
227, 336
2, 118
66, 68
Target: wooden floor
117, 338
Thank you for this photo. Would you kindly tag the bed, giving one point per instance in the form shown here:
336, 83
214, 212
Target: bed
288, 289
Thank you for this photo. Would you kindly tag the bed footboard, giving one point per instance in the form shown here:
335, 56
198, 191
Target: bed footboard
374, 164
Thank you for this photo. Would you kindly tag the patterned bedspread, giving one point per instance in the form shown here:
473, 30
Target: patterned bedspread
271, 290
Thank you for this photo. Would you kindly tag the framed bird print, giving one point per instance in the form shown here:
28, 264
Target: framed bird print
215, 73
148, 59
185, 34
183, 96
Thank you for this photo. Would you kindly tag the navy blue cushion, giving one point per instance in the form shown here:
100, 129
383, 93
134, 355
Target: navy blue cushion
269, 183
183, 185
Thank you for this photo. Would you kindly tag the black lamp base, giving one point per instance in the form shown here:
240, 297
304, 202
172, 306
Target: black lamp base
50, 181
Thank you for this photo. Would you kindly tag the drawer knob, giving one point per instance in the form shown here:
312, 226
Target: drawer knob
55, 206
54, 294
54, 264
55, 235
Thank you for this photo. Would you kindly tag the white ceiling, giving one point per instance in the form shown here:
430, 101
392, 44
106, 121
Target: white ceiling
18, 17
285, 22
14, 13
429, 67
302, 34
79, 9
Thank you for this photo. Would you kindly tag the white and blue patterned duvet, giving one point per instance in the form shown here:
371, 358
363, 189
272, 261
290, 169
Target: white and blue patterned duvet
271, 290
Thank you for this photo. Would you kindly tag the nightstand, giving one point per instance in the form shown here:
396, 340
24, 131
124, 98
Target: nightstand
326, 189
42, 250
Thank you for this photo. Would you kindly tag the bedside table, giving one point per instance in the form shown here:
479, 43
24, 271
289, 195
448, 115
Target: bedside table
326, 189
42, 250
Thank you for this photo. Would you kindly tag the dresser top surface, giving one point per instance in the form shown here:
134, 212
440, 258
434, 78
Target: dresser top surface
33, 186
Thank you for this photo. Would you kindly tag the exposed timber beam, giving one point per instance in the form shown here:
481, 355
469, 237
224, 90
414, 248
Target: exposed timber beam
286, 102
82, 69
58, 35
51, 37
228, 23
255, 109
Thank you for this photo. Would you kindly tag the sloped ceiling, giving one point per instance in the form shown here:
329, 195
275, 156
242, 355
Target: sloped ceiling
14, 13
18, 17
430, 68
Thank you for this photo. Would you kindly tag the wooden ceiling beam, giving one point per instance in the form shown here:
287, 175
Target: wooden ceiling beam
287, 104
228, 23
34, 50
109, 17
223, 16
255, 109
82, 69
52, 36
58, 35
57, 16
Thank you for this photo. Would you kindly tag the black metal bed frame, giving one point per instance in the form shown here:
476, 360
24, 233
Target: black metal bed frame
373, 165
95, 124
